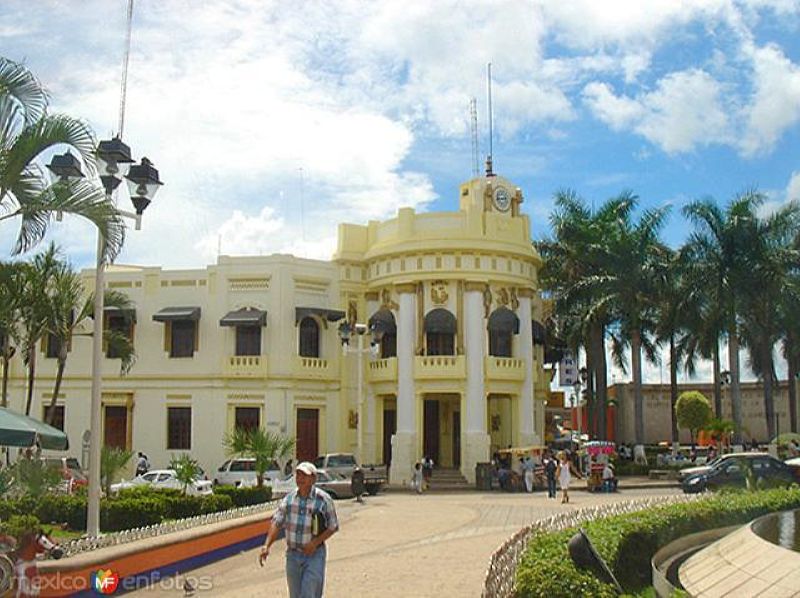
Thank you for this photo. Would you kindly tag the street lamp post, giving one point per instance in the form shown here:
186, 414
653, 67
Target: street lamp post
114, 163
345, 333
577, 385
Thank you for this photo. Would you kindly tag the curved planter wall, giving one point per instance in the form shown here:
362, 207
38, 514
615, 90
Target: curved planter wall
742, 564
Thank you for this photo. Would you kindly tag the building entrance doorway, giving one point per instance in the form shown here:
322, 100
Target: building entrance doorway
307, 446
115, 428
389, 429
441, 429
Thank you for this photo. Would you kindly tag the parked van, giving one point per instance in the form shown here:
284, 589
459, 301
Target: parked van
242, 472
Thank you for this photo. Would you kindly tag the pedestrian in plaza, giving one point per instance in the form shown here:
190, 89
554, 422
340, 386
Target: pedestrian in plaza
309, 518
565, 476
417, 479
550, 470
527, 472
427, 470
142, 466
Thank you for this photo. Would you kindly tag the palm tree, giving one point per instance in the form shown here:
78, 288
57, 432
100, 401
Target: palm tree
718, 250
10, 294
771, 257
26, 190
789, 324
635, 266
32, 309
259, 444
67, 307
112, 461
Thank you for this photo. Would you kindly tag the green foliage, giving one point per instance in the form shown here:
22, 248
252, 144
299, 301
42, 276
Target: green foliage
186, 469
627, 542
244, 497
17, 526
693, 411
112, 461
34, 477
259, 444
719, 429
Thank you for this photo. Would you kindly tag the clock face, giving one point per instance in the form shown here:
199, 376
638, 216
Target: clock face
501, 199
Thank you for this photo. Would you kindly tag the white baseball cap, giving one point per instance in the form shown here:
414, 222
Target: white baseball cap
307, 468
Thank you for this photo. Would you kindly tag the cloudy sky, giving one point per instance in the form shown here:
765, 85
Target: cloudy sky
270, 122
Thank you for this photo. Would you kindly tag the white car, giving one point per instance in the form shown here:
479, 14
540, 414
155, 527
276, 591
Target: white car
241, 472
164, 478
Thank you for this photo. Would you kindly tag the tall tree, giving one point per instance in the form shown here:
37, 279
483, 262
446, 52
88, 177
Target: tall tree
719, 248
27, 191
789, 323
10, 294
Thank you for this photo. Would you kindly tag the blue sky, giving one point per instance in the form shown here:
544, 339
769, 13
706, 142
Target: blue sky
272, 121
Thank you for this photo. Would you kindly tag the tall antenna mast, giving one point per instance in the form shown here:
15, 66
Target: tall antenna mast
473, 117
491, 118
123, 92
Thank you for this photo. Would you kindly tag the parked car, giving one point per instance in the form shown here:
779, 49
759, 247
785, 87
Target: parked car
375, 476
242, 472
70, 470
688, 471
164, 478
335, 484
732, 473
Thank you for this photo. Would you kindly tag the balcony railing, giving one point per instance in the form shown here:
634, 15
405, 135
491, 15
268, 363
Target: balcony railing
245, 366
313, 367
440, 367
383, 370
505, 368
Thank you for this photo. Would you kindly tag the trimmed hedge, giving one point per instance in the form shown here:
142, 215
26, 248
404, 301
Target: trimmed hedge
628, 542
245, 497
135, 507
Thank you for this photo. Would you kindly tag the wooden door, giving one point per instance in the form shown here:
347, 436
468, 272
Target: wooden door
389, 428
430, 439
456, 439
307, 434
116, 427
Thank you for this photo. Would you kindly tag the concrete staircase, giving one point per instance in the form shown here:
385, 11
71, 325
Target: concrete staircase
448, 480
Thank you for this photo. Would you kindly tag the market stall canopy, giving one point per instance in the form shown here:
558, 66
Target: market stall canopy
523, 450
20, 430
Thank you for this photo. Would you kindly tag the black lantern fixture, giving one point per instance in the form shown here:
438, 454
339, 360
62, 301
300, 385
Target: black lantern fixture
113, 161
65, 166
345, 331
143, 184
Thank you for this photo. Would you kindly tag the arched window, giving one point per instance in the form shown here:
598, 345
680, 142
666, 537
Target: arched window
309, 337
383, 322
503, 323
440, 332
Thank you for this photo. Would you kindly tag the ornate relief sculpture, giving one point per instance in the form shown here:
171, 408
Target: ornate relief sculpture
487, 301
439, 292
514, 299
502, 296
386, 300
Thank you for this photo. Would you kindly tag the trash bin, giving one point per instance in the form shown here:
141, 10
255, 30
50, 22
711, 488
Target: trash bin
483, 476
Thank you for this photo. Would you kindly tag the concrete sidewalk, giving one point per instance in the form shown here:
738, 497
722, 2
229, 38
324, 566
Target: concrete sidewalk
400, 544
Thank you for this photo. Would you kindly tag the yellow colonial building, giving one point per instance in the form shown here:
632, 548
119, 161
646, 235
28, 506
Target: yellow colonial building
449, 301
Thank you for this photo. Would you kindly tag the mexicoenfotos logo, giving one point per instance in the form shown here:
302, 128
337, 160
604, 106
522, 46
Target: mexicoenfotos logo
105, 581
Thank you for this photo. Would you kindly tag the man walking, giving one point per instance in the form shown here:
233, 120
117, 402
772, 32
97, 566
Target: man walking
550, 468
309, 518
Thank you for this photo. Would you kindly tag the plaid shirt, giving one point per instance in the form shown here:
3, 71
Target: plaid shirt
295, 515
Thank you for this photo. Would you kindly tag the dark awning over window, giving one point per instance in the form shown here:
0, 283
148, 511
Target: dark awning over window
539, 333
383, 320
504, 320
332, 315
440, 320
170, 314
247, 316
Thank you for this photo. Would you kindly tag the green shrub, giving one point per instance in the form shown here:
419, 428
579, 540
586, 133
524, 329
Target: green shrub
61, 508
244, 497
17, 525
215, 503
126, 513
627, 542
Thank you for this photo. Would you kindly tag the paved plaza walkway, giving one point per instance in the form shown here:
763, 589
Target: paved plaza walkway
400, 544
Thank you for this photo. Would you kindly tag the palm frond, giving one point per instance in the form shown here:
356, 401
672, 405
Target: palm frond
18, 82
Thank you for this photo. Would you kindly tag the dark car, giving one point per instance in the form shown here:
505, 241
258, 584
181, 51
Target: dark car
732, 472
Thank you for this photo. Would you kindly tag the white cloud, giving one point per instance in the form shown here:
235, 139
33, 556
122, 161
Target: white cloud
776, 100
684, 111
793, 188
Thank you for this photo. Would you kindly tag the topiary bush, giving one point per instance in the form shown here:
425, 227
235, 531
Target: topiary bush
628, 542
244, 497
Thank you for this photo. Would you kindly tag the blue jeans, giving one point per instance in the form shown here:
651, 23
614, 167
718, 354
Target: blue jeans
551, 486
306, 574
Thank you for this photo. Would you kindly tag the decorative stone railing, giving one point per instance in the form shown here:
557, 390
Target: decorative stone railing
440, 367
505, 368
245, 366
502, 570
383, 370
313, 367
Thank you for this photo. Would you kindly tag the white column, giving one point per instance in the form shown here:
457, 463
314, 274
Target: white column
475, 440
527, 430
404, 440
371, 446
